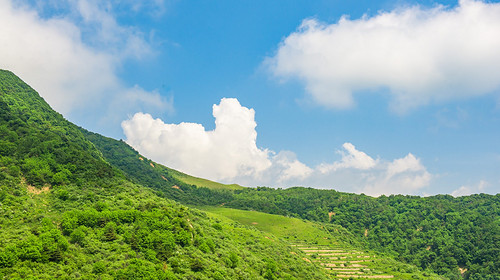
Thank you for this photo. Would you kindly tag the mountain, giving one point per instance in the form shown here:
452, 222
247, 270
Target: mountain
41, 143
163, 180
66, 212
76, 204
455, 237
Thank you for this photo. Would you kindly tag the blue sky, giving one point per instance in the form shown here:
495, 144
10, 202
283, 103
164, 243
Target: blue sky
377, 97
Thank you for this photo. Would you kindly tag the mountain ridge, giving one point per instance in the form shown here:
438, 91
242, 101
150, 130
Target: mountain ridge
78, 189
66, 212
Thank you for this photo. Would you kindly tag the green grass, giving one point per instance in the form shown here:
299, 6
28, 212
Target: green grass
292, 229
199, 182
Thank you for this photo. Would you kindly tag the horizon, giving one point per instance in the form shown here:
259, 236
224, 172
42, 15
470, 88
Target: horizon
380, 98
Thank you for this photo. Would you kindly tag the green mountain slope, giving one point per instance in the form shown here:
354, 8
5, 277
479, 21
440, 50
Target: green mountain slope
200, 182
76, 203
331, 246
355, 212
40, 142
456, 237
145, 171
68, 213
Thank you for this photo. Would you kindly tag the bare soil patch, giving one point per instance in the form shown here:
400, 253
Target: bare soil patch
34, 190
330, 215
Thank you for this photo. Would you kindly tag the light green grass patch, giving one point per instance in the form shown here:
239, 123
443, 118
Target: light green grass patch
199, 182
292, 229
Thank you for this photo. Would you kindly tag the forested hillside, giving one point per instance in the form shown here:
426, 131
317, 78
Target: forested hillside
441, 233
76, 204
66, 213
331, 246
456, 237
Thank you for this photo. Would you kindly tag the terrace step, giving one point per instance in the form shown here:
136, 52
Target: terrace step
341, 263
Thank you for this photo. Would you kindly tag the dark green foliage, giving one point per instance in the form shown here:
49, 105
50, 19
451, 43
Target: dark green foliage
99, 267
217, 226
78, 236
109, 232
270, 270
30, 249
8, 257
47, 148
204, 247
233, 259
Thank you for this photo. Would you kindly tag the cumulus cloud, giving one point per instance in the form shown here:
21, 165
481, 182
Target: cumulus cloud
418, 55
405, 175
407, 164
468, 190
358, 172
288, 167
229, 153
72, 59
353, 159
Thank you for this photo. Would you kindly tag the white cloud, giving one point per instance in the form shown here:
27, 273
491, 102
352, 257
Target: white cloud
230, 154
462, 191
290, 168
405, 175
419, 55
227, 152
468, 190
407, 164
123, 41
358, 172
72, 59
353, 159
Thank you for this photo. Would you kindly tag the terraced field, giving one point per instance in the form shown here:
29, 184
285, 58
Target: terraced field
343, 263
